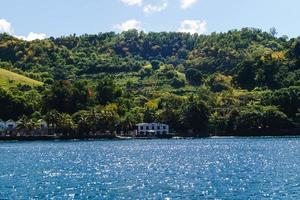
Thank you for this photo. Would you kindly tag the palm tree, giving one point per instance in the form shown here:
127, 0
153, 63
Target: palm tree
65, 123
22, 124
83, 124
92, 120
32, 125
81, 119
52, 119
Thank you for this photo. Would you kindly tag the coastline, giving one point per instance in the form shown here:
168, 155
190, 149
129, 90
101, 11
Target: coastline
278, 133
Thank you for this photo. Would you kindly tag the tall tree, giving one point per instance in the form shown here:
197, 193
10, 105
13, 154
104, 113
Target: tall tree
195, 115
107, 91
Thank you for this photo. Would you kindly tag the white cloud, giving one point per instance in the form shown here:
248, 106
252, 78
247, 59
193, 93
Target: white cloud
32, 36
130, 24
193, 26
133, 2
5, 26
149, 8
187, 3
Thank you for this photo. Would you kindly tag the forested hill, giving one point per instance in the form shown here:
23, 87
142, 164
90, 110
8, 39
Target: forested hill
242, 80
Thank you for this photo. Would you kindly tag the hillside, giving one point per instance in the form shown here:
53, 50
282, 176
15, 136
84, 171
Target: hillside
10, 79
244, 80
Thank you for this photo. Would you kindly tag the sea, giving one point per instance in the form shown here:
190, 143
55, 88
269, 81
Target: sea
210, 168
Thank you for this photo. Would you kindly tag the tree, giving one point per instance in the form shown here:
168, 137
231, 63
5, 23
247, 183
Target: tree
52, 118
131, 118
257, 117
13, 106
195, 115
22, 123
27, 124
273, 31
82, 95
246, 74
177, 82
109, 117
155, 64
65, 124
287, 99
107, 91
169, 110
218, 82
193, 76
60, 97
83, 122
150, 115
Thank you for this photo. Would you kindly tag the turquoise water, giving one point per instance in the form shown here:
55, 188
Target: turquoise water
232, 168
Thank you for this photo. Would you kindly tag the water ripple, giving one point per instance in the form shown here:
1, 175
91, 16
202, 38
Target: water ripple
233, 168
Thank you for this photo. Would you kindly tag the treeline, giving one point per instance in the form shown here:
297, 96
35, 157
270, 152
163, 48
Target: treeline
242, 80
70, 105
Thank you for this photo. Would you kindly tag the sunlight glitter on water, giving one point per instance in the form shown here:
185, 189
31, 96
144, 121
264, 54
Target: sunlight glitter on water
244, 168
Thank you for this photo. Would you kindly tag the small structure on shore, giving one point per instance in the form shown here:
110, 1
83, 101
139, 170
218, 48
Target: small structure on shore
152, 130
32, 128
10, 125
7, 126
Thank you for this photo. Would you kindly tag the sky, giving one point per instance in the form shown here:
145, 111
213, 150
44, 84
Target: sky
38, 19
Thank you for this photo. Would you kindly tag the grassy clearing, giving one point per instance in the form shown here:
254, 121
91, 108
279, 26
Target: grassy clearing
10, 79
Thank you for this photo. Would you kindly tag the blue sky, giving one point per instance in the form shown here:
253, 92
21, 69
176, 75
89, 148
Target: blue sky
31, 19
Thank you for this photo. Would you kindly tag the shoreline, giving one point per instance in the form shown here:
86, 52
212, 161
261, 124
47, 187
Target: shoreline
109, 137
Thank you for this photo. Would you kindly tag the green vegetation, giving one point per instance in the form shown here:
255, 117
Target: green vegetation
10, 79
236, 82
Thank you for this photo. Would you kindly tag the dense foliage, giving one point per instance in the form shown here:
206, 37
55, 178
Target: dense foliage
242, 80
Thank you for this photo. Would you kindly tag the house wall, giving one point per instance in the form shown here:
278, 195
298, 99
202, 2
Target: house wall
10, 125
152, 129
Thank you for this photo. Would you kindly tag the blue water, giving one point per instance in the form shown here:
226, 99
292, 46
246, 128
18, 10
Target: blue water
232, 168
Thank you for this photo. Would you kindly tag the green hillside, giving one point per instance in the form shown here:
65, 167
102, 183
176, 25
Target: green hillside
10, 79
239, 81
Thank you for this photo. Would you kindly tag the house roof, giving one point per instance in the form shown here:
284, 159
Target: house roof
142, 124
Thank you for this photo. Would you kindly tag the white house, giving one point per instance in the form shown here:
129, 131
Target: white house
152, 129
10, 125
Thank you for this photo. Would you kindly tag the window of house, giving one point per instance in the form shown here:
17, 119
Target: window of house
142, 128
164, 127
